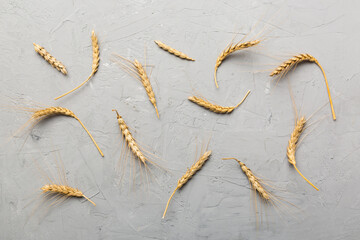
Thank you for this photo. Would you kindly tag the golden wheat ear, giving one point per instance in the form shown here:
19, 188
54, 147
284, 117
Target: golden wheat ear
95, 64
173, 51
50, 59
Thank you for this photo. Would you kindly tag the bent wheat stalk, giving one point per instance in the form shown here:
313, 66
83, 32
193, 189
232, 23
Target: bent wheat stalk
136, 70
230, 49
291, 149
216, 108
41, 114
65, 191
289, 64
95, 64
50, 59
173, 51
188, 175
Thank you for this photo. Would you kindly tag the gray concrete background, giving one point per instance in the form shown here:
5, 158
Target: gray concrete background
217, 202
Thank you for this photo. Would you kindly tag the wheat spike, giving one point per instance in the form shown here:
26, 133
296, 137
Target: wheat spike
188, 175
230, 49
52, 111
216, 108
50, 59
95, 64
134, 147
254, 181
291, 149
173, 51
65, 191
289, 64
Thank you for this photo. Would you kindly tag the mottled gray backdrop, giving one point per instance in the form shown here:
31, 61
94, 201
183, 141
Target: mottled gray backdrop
217, 203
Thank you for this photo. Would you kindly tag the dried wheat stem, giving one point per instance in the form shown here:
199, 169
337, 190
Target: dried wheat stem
289, 64
50, 59
254, 181
291, 149
188, 175
65, 191
230, 49
216, 108
173, 51
95, 64
134, 147
52, 111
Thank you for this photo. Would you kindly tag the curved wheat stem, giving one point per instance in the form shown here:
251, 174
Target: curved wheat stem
52, 111
216, 108
289, 64
50, 59
230, 49
254, 181
188, 175
65, 191
291, 149
95, 64
173, 51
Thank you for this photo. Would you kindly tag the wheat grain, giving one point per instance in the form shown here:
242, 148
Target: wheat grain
188, 175
254, 181
289, 64
38, 115
216, 108
50, 59
95, 64
65, 191
291, 149
230, 49
173, 51
136, 70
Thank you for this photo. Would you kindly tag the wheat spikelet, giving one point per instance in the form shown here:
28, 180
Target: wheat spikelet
230, 49
291, 149
136, 70
50, 59
95, 64
65, 191
38, 115
188, 175
254, 181
173, 51
216, 108
134, 147
289, 64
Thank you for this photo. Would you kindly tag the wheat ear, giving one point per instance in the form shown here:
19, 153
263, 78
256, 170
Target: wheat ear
52, 111
64, 191
50, 59
230, 49
291, 149
254, 181
134, 147
95, 64
289, 64
173, 51
188, 175
216, 108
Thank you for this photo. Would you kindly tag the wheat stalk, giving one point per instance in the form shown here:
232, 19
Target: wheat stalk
64, 190
52, 111
173, 51
254, 181
291, 149
289, 64
95, 64
216, 108
50, 59
230, 49
134, 147
188, 175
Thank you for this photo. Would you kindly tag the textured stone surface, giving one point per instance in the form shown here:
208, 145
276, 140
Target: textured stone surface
217, 203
